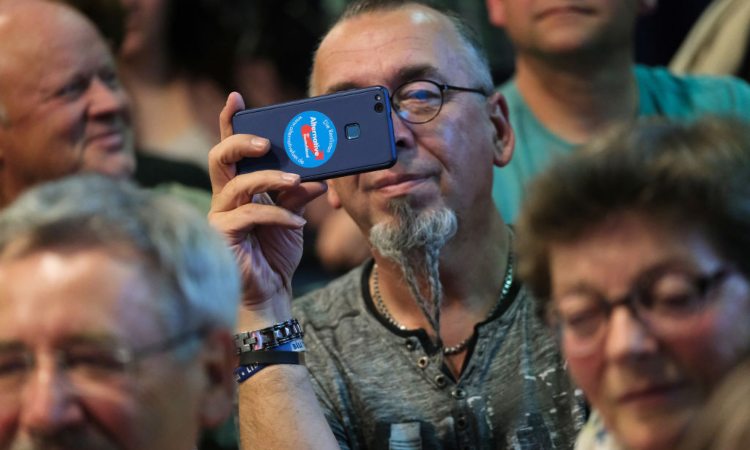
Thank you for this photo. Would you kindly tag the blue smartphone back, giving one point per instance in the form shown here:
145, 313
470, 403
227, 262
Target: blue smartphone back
323, 137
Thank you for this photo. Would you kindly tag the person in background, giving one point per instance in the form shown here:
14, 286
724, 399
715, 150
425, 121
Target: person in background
151, 170
432, 343
575, 78
117, 308
636, 248
63, 109
177, 62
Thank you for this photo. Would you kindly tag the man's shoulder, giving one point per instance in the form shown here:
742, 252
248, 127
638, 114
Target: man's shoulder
663, 76
683, 94
328, 305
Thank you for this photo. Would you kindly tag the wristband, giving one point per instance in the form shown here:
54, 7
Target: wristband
243, 372
253, 341
275, 357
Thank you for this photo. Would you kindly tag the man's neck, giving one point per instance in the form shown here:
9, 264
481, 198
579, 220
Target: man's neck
471, 273
577, 100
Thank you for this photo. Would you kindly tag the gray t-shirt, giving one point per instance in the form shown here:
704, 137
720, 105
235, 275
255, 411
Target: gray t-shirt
382, 388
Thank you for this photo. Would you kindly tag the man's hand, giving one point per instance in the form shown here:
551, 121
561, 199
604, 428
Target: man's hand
266, 235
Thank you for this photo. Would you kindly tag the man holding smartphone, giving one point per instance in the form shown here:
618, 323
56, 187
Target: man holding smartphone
433, 342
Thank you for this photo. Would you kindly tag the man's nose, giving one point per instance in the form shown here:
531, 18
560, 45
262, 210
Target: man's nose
107, 98
49, 402
628, 337
403, 134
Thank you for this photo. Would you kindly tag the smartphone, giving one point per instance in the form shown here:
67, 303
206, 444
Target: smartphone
323, 137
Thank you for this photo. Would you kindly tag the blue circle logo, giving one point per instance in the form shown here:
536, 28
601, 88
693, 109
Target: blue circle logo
310, 139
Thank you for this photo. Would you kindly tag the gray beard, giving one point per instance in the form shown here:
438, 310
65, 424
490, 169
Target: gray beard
414, 240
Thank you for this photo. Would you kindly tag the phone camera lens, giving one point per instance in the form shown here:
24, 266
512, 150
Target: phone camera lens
378, 97
379, 107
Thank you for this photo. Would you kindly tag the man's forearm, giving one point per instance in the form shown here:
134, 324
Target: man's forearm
279, 410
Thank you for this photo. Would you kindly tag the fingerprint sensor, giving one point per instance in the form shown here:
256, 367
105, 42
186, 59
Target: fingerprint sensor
352, 131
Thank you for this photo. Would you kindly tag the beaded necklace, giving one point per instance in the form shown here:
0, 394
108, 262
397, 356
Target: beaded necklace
461, 346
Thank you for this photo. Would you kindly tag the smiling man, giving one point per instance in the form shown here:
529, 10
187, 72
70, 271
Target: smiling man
576, 77
62, 108
116, 320
432, 343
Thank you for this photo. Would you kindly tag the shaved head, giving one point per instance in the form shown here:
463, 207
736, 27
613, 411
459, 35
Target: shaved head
62, 107
18, 44
477, 63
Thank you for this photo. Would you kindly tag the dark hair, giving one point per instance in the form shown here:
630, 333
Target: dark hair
284, 33
684, 175
202, 35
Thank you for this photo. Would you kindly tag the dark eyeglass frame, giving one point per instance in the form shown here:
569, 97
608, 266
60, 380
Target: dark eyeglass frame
442, 88
637, 300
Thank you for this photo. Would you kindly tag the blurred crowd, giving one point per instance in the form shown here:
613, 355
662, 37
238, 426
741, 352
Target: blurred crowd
599, 166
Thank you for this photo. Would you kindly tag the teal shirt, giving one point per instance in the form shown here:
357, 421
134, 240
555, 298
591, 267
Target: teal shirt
660, 93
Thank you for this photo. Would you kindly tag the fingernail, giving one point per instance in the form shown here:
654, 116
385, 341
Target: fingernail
290, 177
299, 221
259, 141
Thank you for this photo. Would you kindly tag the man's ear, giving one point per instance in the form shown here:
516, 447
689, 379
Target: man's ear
504, 139
645, 7
496, 12
333, 197
218, 360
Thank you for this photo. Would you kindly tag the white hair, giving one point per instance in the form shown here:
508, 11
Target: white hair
176, 244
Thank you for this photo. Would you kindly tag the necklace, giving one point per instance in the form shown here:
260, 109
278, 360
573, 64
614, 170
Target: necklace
379, 305
461, 346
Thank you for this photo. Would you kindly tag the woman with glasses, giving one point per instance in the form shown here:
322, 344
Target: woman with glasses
637, 247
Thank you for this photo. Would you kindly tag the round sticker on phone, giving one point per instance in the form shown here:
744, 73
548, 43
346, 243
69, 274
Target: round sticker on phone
310, 139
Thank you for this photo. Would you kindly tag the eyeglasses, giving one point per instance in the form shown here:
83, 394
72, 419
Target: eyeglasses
90, 364
420, 101
665, 299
